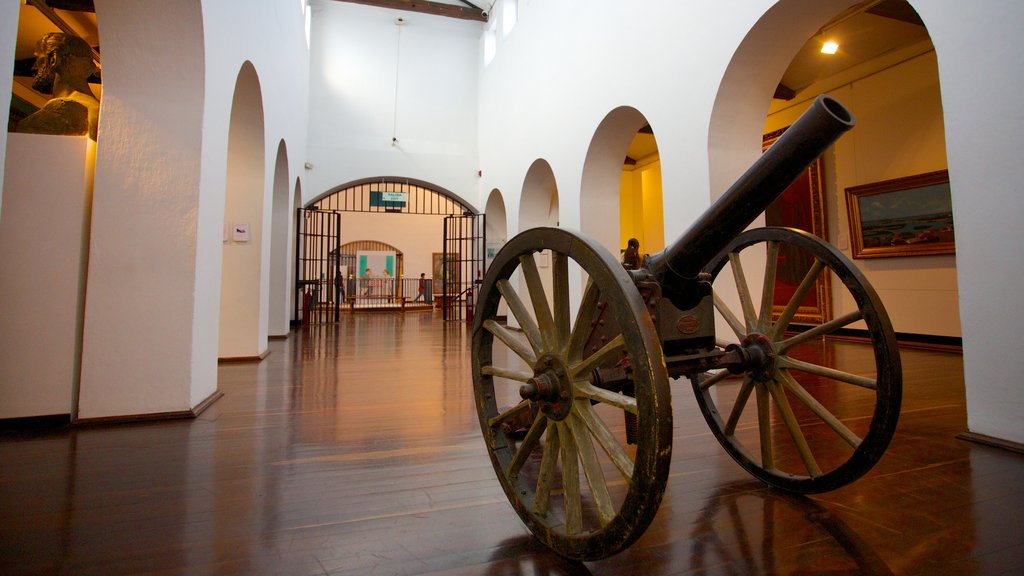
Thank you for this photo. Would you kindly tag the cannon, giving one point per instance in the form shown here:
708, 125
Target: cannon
573, 393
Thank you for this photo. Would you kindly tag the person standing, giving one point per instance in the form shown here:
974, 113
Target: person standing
422, 288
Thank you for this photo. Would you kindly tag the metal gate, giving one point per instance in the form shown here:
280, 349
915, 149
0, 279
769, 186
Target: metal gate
319, 282
462, 265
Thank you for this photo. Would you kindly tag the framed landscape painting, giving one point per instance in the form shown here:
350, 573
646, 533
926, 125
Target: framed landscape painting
911, 216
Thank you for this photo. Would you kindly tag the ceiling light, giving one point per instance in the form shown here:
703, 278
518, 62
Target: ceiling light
829, 47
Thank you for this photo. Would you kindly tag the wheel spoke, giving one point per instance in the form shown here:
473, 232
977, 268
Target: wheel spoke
560, 278
527, 446
512, 341
794, 303
819, 330
739, 406
714, 379
605, 439
587, 390
517, 375
812, 403
749, 315
592, 468
522, 315
730, 317
508, 414
570, 481
764, 427
604, 356
540, 300
779, 395
585, 318
546, 476
771, 267
794, 364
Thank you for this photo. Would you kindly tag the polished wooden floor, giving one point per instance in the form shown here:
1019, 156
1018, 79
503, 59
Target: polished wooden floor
354, 449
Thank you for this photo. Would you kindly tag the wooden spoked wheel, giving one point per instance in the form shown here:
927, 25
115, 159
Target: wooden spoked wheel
556, 440
797, 419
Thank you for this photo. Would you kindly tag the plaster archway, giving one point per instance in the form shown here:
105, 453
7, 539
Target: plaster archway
280, 241
497, 222
602, 175
538, 202
243, 315
897, 102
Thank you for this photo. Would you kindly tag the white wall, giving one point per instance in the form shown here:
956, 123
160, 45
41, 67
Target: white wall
981, 78
9, 14
707, 93
43, 255
152, 309
136, 355
353, 116
270, 34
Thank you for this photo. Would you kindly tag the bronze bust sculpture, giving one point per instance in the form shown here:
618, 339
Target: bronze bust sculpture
63, 66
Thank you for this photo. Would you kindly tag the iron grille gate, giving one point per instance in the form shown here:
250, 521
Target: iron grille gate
462, 265
319, 282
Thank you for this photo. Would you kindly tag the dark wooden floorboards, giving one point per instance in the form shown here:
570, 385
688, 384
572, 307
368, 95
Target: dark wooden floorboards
354, 449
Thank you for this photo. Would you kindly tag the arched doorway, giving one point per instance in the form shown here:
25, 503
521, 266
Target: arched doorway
538, 202
621, 186
243, 309
893, 92
370, 210
280, 240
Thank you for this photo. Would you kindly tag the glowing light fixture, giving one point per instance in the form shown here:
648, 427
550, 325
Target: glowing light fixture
829, 47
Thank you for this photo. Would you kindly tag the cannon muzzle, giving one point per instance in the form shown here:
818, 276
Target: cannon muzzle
816, 130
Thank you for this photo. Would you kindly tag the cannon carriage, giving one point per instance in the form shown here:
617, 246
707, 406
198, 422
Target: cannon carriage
574, 397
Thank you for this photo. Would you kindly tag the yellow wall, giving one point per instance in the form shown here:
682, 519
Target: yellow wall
640, 207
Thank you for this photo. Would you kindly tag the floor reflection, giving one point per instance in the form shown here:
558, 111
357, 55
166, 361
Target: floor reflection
746, 528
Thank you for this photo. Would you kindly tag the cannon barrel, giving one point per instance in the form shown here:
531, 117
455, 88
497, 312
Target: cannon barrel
762, 183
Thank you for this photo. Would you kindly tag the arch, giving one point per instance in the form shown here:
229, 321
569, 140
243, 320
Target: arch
497, 221
745, 93
243, 312
280, 240
538, 202
293, 272
457, 204
900, 132
602, 175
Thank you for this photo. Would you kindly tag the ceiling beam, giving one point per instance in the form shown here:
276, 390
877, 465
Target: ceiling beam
427, 7
783, 92
73, 5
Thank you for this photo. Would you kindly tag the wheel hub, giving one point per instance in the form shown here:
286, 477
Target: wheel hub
550, 387
759, 356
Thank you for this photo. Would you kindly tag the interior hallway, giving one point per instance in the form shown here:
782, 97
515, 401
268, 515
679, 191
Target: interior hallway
355, 449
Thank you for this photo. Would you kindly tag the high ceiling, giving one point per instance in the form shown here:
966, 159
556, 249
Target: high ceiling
464, 9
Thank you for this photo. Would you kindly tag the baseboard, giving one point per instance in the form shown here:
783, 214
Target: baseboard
202, 406
151, 417
235, 359
952, 344
992, 441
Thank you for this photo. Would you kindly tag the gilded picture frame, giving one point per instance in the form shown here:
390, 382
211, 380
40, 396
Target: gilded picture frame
909, 216
802, 206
